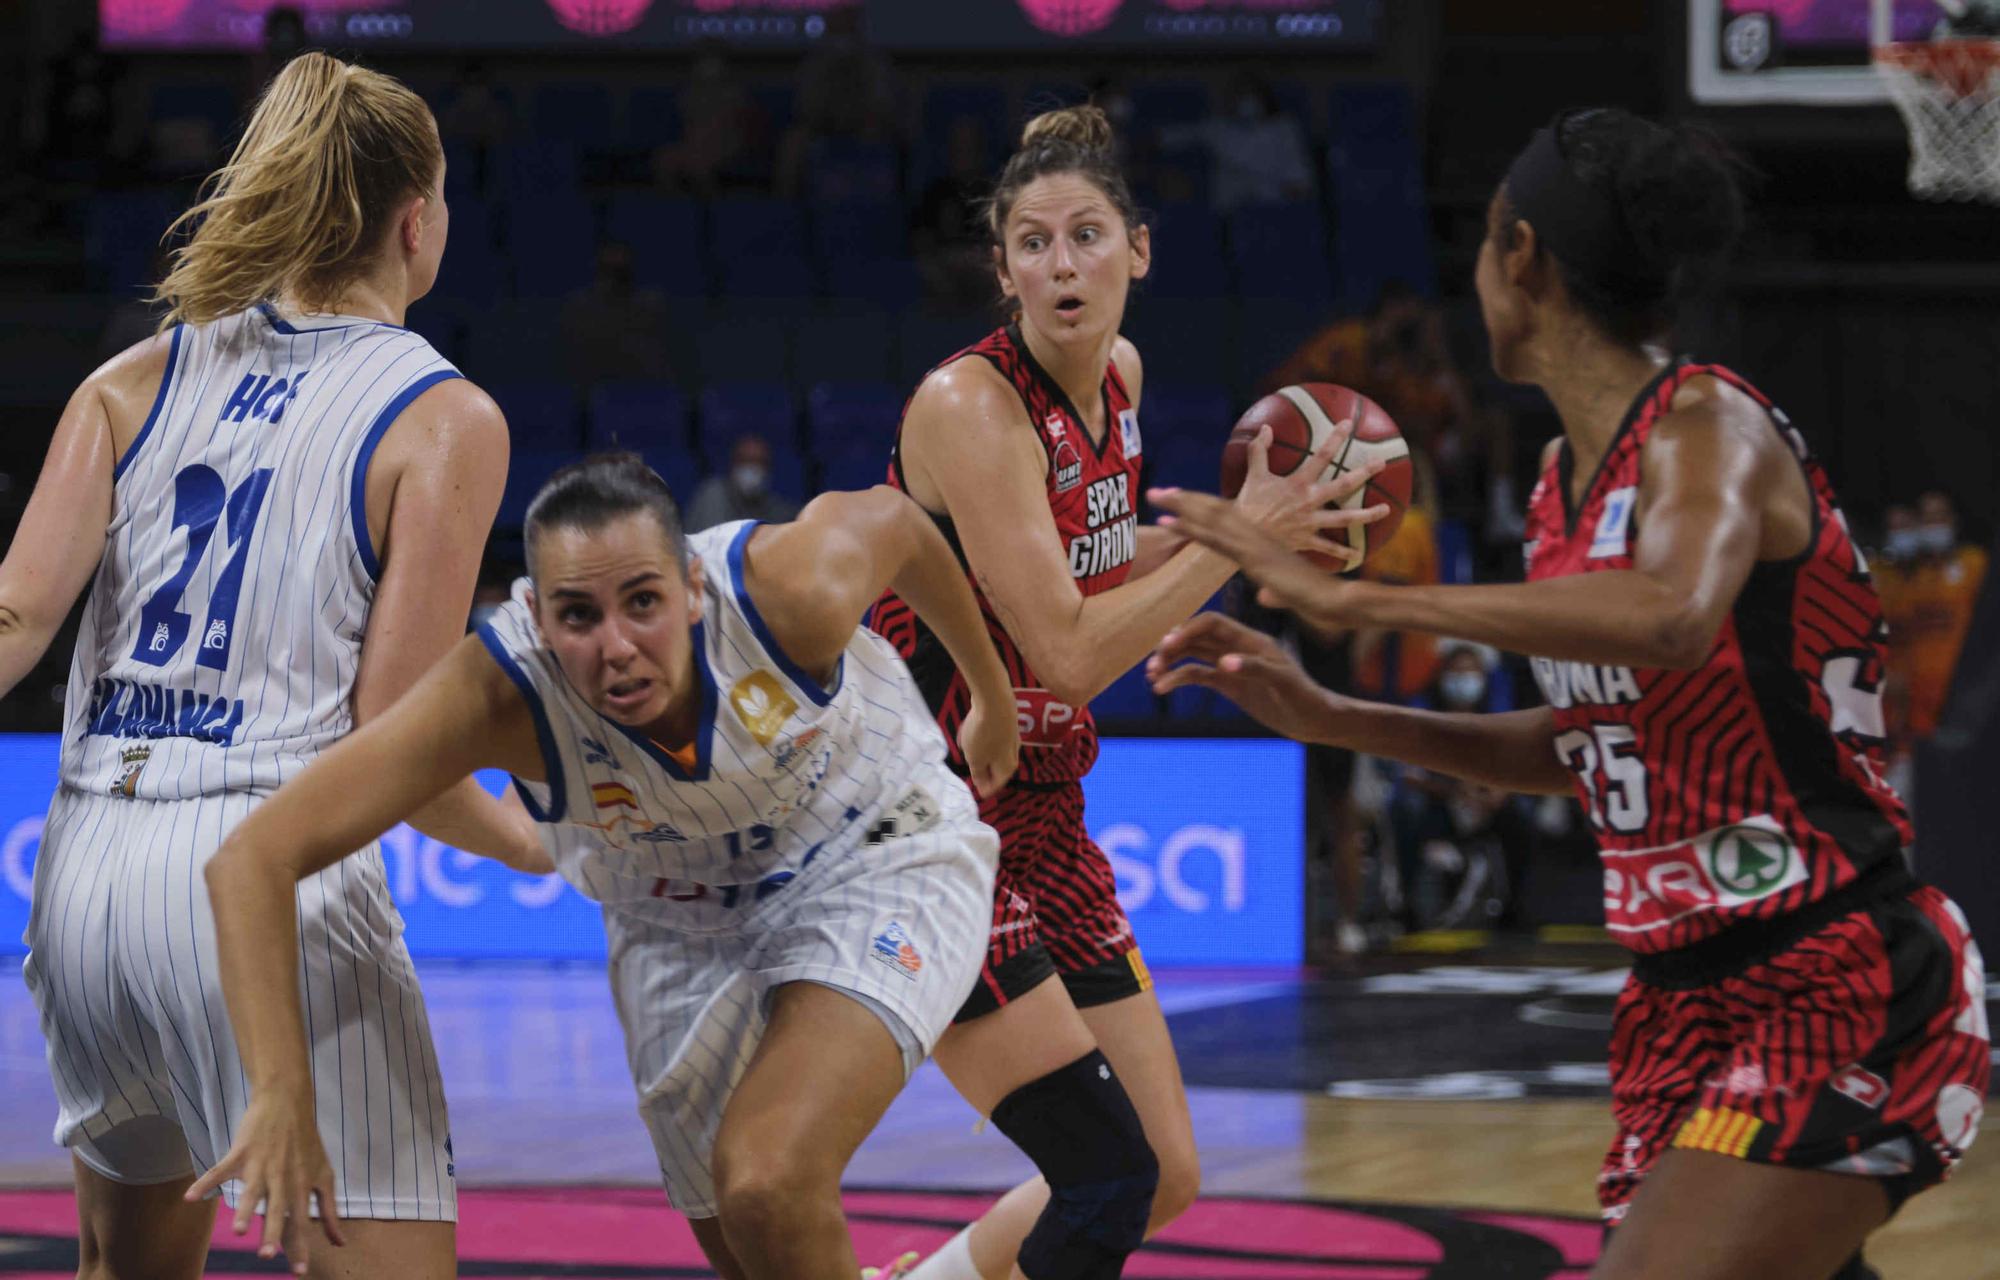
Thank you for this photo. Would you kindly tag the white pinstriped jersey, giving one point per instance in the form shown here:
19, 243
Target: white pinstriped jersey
785, 770
220, 643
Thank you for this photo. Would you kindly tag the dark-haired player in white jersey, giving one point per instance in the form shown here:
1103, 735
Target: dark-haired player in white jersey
795, 885
279, 505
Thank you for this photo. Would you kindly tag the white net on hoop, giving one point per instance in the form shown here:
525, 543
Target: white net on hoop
1949, 93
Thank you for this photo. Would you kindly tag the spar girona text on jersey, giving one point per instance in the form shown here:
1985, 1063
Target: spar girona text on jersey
1093, 492
1751, 785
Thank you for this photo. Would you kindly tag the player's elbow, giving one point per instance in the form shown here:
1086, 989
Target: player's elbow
1681, 641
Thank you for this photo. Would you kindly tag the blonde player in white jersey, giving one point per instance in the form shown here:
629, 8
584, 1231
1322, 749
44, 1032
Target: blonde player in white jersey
280, 504
796, 888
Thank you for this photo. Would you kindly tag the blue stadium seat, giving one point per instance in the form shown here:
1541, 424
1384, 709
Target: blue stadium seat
578, 112
943, 106
471, 274
1184, 429
760, 248
854, 417
733, 409
637, 415
1164, 104
863, 252
1377, 189
668, 238
551, 244
1279, 251
1128, 698
928, 338
851, 171
541, 415
652, 117
527, 470
122, 233
844, 344
213, 104
1188, 261
539, 168
1186, 339
678, 467
743, 343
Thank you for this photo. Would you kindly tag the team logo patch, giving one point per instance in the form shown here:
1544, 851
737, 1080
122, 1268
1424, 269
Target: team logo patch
1068, 466
131, 761
893, 947
595, 752
1748, 862
613, 795
1958, 1111
1724, 1131
762, 705
1614, 524
1128, 427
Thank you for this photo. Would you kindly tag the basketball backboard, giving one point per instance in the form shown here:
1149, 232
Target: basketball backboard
1810, 52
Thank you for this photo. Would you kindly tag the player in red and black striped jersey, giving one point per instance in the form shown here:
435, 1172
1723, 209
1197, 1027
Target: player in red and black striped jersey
1026, 448
1711, 650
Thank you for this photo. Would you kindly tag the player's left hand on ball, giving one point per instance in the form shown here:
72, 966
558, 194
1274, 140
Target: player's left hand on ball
1244, 665
992, 746
279, 1160
1295, 509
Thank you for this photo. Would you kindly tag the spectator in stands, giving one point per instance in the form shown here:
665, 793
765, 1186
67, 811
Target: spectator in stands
1929, 582
842, 149
476, 115
611, 329
79, 127
722, 127
948, 234
1256, 150
743, 493
1460, 847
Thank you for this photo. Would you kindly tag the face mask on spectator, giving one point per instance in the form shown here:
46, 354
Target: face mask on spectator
1902, 544
1463, 688
749, 479
1937, 539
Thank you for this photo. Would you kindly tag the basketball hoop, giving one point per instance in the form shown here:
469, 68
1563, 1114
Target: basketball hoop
1949, 93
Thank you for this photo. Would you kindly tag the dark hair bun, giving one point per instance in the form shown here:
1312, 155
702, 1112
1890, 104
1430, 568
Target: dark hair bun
1085, 127
1675, 184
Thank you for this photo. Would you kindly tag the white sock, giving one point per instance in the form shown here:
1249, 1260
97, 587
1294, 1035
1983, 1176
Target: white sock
953, 1262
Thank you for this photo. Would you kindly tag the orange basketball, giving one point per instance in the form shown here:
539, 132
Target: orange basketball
1301, 418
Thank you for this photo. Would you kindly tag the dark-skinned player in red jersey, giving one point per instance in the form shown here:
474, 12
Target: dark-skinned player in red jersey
1802, 1044
1026, 448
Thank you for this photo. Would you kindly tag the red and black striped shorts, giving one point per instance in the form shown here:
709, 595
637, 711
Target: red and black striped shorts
1055, 905
1859, 1047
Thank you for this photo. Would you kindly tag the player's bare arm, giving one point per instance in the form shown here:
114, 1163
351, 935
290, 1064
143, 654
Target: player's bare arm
464, 715
60, 539
1513, 750
964, 441
433, 488
1719, 493
813, 579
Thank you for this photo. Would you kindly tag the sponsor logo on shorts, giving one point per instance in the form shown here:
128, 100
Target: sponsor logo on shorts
762, 705
1646, 889
1723, 1130
613, 795
893, 947
1959, 1108
1862, 1085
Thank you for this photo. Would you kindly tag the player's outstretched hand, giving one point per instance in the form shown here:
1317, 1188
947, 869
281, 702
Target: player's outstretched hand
1288, 580
992, 746
278, 1158
1244, 665
1293, 509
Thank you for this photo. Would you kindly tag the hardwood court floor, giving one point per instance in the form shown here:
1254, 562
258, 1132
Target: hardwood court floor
1473, 1089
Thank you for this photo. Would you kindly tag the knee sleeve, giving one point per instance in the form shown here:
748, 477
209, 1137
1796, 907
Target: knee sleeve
1079, 1127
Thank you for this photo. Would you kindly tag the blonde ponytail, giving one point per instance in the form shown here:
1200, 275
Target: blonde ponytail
329, 153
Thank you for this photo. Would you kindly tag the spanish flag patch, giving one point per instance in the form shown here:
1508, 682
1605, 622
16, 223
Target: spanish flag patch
1721, 1130
612, 795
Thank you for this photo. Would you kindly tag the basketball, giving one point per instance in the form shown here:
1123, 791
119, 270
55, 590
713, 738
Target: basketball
1301, 418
